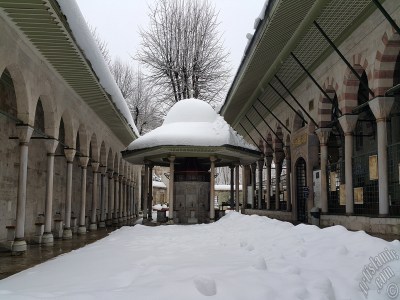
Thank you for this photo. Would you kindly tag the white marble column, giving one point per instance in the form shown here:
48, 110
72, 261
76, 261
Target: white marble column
110, 198
121, 199
323, 135
232, 191
83, 161
95, 196
380, 107
212, 188
279, 155
69, 155
102, 222
116, 202
24, 135
260, 166
150, 198
171, 189
245, 170
237, 187
253, 169
286, 149
268, 162
145, 191
51, 146
348, 123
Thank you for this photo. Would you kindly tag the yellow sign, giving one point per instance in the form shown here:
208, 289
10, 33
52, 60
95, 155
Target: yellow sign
333, 178
342, 198
358, 195
373, 167
300, 140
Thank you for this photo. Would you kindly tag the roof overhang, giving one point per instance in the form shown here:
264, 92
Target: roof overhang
287, 27
225, 154
46, 30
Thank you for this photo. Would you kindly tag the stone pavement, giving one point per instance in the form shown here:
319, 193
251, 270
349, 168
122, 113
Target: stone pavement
37, 254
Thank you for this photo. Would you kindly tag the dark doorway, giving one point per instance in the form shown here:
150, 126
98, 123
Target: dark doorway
302, 190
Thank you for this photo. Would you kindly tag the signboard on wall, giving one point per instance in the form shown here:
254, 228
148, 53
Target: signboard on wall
332, 180
373, 167
342, 198
358, 195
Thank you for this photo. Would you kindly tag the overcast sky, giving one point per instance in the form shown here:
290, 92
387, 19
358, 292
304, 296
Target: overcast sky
117, 23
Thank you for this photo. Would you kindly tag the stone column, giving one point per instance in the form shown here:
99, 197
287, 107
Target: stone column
348, 124
268, 162
69, 155
110, 198
323, 135
237, 187
145, 191
278, 159
286, 149
121, 200
232, 192
128, 200
102, 223
95, 196
260, 166
24, 135
83, 161
380, 107
51, 146
212, 188
253, 183
116, 202
150, 197
171, 188
245, 169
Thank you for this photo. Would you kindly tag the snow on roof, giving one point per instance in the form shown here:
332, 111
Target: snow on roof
159, 184
85, 41
191, 122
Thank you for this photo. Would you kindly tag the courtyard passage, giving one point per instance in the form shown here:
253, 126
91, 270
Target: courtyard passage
237, 257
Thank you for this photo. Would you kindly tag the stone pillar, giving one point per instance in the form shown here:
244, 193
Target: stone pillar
51, 146
253, 183
110, 198
278, 159
286, 149
237, 187
95, 196
116, 202
212, 188
150, 197
348, 124
323, 135
232, 192
102, 223
171, 188
24, 135
260, 166
145, 191
380, 107
123, 202
128, 200
121, 199
245, 169
69, 155
83, 161
268, 162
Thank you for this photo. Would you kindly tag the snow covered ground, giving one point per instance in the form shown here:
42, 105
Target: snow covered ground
238, 257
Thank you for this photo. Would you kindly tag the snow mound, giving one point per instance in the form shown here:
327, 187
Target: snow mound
260, 264
205, 285
191, 122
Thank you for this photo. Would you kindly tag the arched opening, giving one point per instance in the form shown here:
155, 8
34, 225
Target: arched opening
301, 190
335, 174
394, 146
39, 119
9, 152
365, 179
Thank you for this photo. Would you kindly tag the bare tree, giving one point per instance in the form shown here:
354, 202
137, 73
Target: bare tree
183, 51
137, 92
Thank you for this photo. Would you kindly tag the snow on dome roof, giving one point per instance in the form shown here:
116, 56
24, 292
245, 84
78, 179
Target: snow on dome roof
191, 122
191, 110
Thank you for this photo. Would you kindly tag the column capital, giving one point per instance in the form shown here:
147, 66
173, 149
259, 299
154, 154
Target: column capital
95, 166
279, 156
110, 174
213, 158
348, 123
323, 134
380, 107
83, 161
171, 158
51, 145
69, 154
287, 152
103, 170
268, 160
115, 175
24, 133
260, 163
